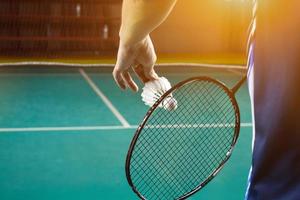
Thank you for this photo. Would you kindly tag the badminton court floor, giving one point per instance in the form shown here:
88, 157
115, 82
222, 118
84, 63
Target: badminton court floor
64, 134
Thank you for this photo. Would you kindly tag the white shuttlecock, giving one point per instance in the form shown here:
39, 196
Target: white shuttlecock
153, 90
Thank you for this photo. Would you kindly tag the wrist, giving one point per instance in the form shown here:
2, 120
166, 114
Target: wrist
129, 43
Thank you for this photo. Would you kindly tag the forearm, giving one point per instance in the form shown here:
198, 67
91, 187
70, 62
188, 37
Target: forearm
140, 17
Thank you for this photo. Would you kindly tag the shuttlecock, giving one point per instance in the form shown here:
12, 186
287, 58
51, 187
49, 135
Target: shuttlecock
154, 89
169, 103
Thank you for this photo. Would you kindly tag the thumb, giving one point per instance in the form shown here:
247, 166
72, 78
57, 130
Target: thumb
150, 73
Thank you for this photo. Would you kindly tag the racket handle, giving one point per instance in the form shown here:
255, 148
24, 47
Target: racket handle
140, 73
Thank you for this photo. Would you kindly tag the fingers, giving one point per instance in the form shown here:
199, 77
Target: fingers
146, 71
147, 59
139, 71
117, 74
142, 53
124, 80
130, 83
120, 73
150, 73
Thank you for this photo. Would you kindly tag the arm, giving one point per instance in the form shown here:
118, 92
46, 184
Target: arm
139, 18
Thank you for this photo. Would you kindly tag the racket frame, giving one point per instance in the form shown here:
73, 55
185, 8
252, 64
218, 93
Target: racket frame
231, 95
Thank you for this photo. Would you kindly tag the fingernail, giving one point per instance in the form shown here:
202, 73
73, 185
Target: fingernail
135, 89
122, 87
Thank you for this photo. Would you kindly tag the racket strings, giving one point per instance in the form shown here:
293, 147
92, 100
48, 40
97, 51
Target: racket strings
178, 150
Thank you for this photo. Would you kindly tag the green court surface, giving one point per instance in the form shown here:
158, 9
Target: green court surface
64, 134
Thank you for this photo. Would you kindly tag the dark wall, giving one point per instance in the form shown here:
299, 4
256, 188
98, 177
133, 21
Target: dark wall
69, 27
51, 28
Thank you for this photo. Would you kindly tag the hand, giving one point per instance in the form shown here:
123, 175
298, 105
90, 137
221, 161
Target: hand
131, 56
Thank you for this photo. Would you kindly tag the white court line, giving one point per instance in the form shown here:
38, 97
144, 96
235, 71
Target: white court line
90, 128
236, 72
104, 99
66, 128
197, 125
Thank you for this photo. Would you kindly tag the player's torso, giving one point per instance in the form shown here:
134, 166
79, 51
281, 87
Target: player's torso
277, 57
276, 99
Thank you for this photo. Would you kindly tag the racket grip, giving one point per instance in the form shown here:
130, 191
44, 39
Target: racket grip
140, 73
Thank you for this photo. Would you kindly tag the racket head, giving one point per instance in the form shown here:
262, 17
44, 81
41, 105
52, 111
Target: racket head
130, 160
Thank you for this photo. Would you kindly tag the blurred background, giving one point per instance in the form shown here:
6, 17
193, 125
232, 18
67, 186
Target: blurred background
206, 30
65, 127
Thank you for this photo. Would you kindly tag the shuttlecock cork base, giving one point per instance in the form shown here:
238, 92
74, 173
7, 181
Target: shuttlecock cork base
169, 103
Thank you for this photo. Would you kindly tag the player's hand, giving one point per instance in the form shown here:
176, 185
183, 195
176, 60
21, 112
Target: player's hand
130, 56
